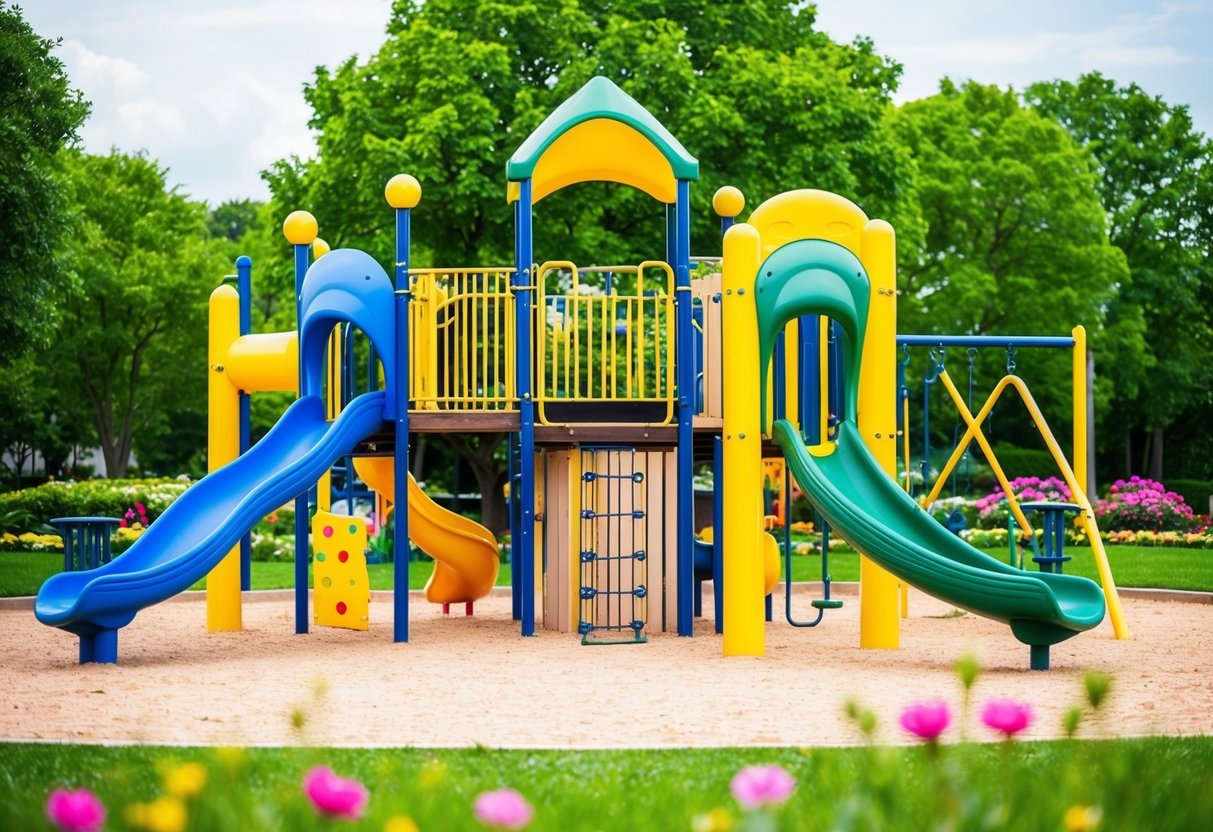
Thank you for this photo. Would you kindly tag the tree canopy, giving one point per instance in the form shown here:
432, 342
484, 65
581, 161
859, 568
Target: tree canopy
41, 113
1015, 236
1156, 185
133, 339
452, 93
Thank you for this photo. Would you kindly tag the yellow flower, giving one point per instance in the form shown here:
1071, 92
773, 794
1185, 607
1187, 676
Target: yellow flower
164, 814
432, 773
185, 781
1082, 818
717, 820
232, 758
400, 823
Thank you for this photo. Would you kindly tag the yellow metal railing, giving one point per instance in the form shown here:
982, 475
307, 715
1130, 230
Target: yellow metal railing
461, 337
608, 338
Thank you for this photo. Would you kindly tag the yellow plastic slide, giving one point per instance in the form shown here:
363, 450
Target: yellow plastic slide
464, 552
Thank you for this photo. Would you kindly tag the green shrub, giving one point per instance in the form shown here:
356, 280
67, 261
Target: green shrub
1024, 462
101, 498
1196, 493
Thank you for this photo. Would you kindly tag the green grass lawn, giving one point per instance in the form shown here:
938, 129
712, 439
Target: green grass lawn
21, 573
1136, 566
1155, 783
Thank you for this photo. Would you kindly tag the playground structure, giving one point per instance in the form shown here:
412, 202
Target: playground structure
611, 381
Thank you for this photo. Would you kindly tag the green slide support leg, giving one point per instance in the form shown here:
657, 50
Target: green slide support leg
1040, 657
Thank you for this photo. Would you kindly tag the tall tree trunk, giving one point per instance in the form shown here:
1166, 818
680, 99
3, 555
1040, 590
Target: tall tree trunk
481, 457
1128, 453
1156, 450
417, 457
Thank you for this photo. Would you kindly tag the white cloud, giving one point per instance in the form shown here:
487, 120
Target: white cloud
93, 71
145, 118
270, 14
1132, 40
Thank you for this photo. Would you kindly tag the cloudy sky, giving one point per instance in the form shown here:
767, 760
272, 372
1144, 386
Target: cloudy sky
213, 89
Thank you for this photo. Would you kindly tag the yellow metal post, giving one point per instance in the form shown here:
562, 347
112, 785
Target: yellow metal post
1080, 408
742, 476
879, 625
223, 446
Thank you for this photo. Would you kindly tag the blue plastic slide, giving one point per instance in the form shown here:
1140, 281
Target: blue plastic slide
197, 530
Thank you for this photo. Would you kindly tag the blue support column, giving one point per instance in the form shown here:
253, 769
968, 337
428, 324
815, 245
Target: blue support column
810, 378
718, 531
302, 555
512, 505
244, 286
524, 583
686, 406
398, 409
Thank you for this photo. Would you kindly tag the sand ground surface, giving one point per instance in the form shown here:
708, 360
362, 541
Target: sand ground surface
462, 681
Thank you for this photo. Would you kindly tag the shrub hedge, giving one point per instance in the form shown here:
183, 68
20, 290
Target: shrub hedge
30, 508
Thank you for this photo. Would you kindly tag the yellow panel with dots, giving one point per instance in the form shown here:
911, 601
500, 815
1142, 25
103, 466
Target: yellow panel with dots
342, 594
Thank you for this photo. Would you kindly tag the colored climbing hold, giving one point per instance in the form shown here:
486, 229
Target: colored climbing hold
326, 582
353, 529
320, 557
341, 607
343, 556
328, 531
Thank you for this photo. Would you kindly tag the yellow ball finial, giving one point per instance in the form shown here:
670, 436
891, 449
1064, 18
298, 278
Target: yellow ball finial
402, 191
320, 248
728, 202
300, 228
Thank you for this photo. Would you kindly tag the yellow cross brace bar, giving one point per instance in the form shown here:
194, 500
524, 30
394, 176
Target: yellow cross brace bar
1078, 495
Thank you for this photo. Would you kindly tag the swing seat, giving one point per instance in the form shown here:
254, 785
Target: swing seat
825, 604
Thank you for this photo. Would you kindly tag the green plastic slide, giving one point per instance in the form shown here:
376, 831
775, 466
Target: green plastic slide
861, 501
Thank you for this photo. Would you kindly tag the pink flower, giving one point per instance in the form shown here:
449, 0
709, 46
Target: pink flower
1007, 716
334, 796
503, 809
926, 720
75, 811
758, 786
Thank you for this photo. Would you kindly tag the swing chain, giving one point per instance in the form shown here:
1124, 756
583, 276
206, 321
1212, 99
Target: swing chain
937, 358
1010, 361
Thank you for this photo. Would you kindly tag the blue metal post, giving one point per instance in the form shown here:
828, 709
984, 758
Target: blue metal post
718, 531
244, 286
524, 559
686, 406
302, 555
992, 341
511, 466
810, 378
398, 409
834, 362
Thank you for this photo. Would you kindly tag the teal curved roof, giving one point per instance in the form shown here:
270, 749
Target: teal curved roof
599, 98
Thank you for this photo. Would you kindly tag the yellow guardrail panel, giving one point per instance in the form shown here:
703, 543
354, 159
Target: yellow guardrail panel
462, 339
606, 339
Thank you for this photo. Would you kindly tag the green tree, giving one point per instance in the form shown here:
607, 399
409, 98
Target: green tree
764, 101
39, 115
134, 321
1015, 235
1156, 182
